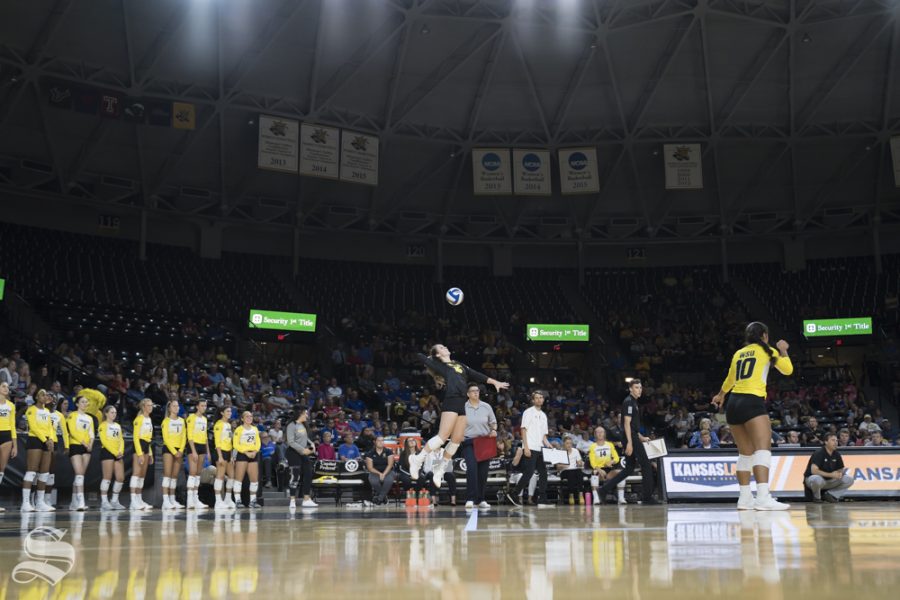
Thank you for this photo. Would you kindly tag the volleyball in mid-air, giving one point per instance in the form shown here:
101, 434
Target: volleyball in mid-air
454, 296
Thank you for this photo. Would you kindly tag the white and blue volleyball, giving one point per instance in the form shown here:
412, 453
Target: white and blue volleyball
454, 296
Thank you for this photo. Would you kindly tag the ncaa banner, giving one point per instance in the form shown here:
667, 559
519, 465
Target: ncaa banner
490, 172
875, 473
531, 172
578, 171
278, 144
359, 158
895, 158
684, 166
319, 151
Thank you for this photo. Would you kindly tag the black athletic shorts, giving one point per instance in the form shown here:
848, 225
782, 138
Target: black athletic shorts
454, 405
166, 450
740, 408
5, 436
201, 449
241, 457
145, 446
107, 455
34, 443
77, 450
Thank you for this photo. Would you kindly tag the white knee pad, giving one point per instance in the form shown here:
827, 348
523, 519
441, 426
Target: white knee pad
744, 463
43, 477
217, 485
133, 482
238, 486
29, 477
166, 482
51, 479
451, 448
762, 458
117, 486
140, 483
434, 443
79, 481
104, 486
254, 487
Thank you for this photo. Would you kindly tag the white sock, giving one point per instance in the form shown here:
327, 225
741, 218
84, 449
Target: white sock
1, 477
117, 487
26, 495
217, 487
620, 494
40, 497
762, 491
746, 494
53, 497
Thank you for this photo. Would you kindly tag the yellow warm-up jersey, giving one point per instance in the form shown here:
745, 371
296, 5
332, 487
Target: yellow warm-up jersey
8, 418
143, 430
174, 436
749, 370
246, 439
58, 421
222, 435
39, 423
603, 455
111, 438
81, 428
196, 429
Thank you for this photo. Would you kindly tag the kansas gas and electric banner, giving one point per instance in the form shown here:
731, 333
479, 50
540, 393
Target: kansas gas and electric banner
875, 473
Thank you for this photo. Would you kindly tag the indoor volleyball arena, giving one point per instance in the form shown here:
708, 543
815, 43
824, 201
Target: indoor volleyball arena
456, 299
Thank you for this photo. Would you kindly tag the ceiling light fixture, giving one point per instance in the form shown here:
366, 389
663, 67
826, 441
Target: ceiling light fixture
425, 30
806, 38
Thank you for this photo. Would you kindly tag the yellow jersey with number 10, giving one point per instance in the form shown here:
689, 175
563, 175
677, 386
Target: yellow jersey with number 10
749, 370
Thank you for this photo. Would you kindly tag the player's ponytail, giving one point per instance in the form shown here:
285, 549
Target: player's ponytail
753, 335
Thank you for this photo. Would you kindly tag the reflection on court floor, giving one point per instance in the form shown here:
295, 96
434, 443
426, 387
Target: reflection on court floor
815, 551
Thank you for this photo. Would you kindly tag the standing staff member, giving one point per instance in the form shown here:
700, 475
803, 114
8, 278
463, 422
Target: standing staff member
634, 447
826, 473
480, 422
747, 415
534, 439
301, 457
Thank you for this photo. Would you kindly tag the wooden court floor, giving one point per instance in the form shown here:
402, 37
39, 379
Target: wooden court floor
846, 551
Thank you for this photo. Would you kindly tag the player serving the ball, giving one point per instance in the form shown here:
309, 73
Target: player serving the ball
453, 377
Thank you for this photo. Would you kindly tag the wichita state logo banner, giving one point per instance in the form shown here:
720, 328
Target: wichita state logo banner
684, 166
578, 171
531, 172
278, 144
359, 158
319, 151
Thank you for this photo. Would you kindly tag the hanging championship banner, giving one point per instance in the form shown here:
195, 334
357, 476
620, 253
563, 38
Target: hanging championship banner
490, 172
684, 166
319, 151
278, 144
531, 172
895, 158
359, 158
578, 171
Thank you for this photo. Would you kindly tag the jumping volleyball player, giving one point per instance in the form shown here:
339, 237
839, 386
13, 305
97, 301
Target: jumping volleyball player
454, 378
747, 416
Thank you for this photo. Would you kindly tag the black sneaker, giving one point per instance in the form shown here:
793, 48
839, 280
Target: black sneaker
829, 498
817, 500
512, 500
650, 502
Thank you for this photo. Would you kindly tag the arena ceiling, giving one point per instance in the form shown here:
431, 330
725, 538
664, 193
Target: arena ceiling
793, 101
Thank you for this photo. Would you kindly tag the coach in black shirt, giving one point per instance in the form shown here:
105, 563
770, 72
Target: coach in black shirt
634, 447
826, 473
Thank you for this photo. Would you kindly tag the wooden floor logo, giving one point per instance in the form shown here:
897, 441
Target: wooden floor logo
49, 558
